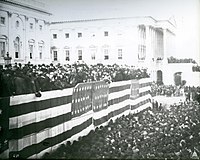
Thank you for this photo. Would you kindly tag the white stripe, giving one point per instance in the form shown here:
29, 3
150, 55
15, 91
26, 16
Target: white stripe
119, 84
140, 99
144, 80
99, 114
48, 133
26, 141
115, 95
20, 99
73, 138
139, 109
144, 89
23, 120
117, 106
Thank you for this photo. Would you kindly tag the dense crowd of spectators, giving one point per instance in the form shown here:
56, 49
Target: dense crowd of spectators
166, 90
192, 93
196, 68
29, 78
185, 60
156, 133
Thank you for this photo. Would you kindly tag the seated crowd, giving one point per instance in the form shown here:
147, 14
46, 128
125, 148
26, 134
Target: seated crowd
156, 133
29, 78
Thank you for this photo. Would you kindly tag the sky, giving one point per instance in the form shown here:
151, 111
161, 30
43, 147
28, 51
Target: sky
185, 12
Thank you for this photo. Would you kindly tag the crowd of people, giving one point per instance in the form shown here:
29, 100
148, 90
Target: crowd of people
29, 78
196, 68
166, 90
190, 93
156, 133
185, 60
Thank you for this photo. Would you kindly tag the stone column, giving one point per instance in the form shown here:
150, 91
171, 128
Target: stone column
165, 46
10, 41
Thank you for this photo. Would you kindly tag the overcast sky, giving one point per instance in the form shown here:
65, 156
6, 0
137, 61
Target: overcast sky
185, 12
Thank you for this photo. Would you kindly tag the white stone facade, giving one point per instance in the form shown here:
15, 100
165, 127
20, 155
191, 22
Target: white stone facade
24, 32
135, 41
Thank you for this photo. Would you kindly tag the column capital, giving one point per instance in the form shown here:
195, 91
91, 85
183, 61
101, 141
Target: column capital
36, 20
26, 18
9, 14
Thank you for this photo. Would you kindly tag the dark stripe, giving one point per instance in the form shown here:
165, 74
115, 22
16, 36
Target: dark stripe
119, 88
119, 111
50, 142
34, 106
110, 115
139, 104
144, 93
118, 100
145, 84
100, 120
36, 127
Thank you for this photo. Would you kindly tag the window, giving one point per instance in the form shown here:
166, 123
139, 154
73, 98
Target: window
54, 36
93, 55
106, 56
119, 53
17, 47
31, 51
3, 20
141, 52
2, 49
40, 26
79, 35
67, 55
31, 25
106, 33
55, 55
66, 35
80, 55
40, 51
17, 24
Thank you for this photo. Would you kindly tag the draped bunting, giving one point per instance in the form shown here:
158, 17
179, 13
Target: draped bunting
40, 124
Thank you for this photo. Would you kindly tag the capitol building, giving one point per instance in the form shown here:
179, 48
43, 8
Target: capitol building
28, 35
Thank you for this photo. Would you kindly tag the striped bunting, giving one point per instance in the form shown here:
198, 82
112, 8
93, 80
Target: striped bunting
41, 123
118, 103
144, 100
38, 125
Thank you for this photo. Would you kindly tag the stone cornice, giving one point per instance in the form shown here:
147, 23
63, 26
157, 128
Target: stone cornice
25, 6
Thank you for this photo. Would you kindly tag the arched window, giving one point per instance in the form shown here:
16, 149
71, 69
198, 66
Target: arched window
159, 77
177, 78
106, 50
17, 24
93, 51
54, 53
41, 49
80, 52
3, 45
31, 48
67, 53
17, 47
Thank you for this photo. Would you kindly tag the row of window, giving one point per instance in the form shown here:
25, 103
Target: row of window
31, 26
17, 24
17, 48
79, 35
80, 55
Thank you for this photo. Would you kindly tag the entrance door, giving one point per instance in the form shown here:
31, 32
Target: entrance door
177, 78
159, 77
